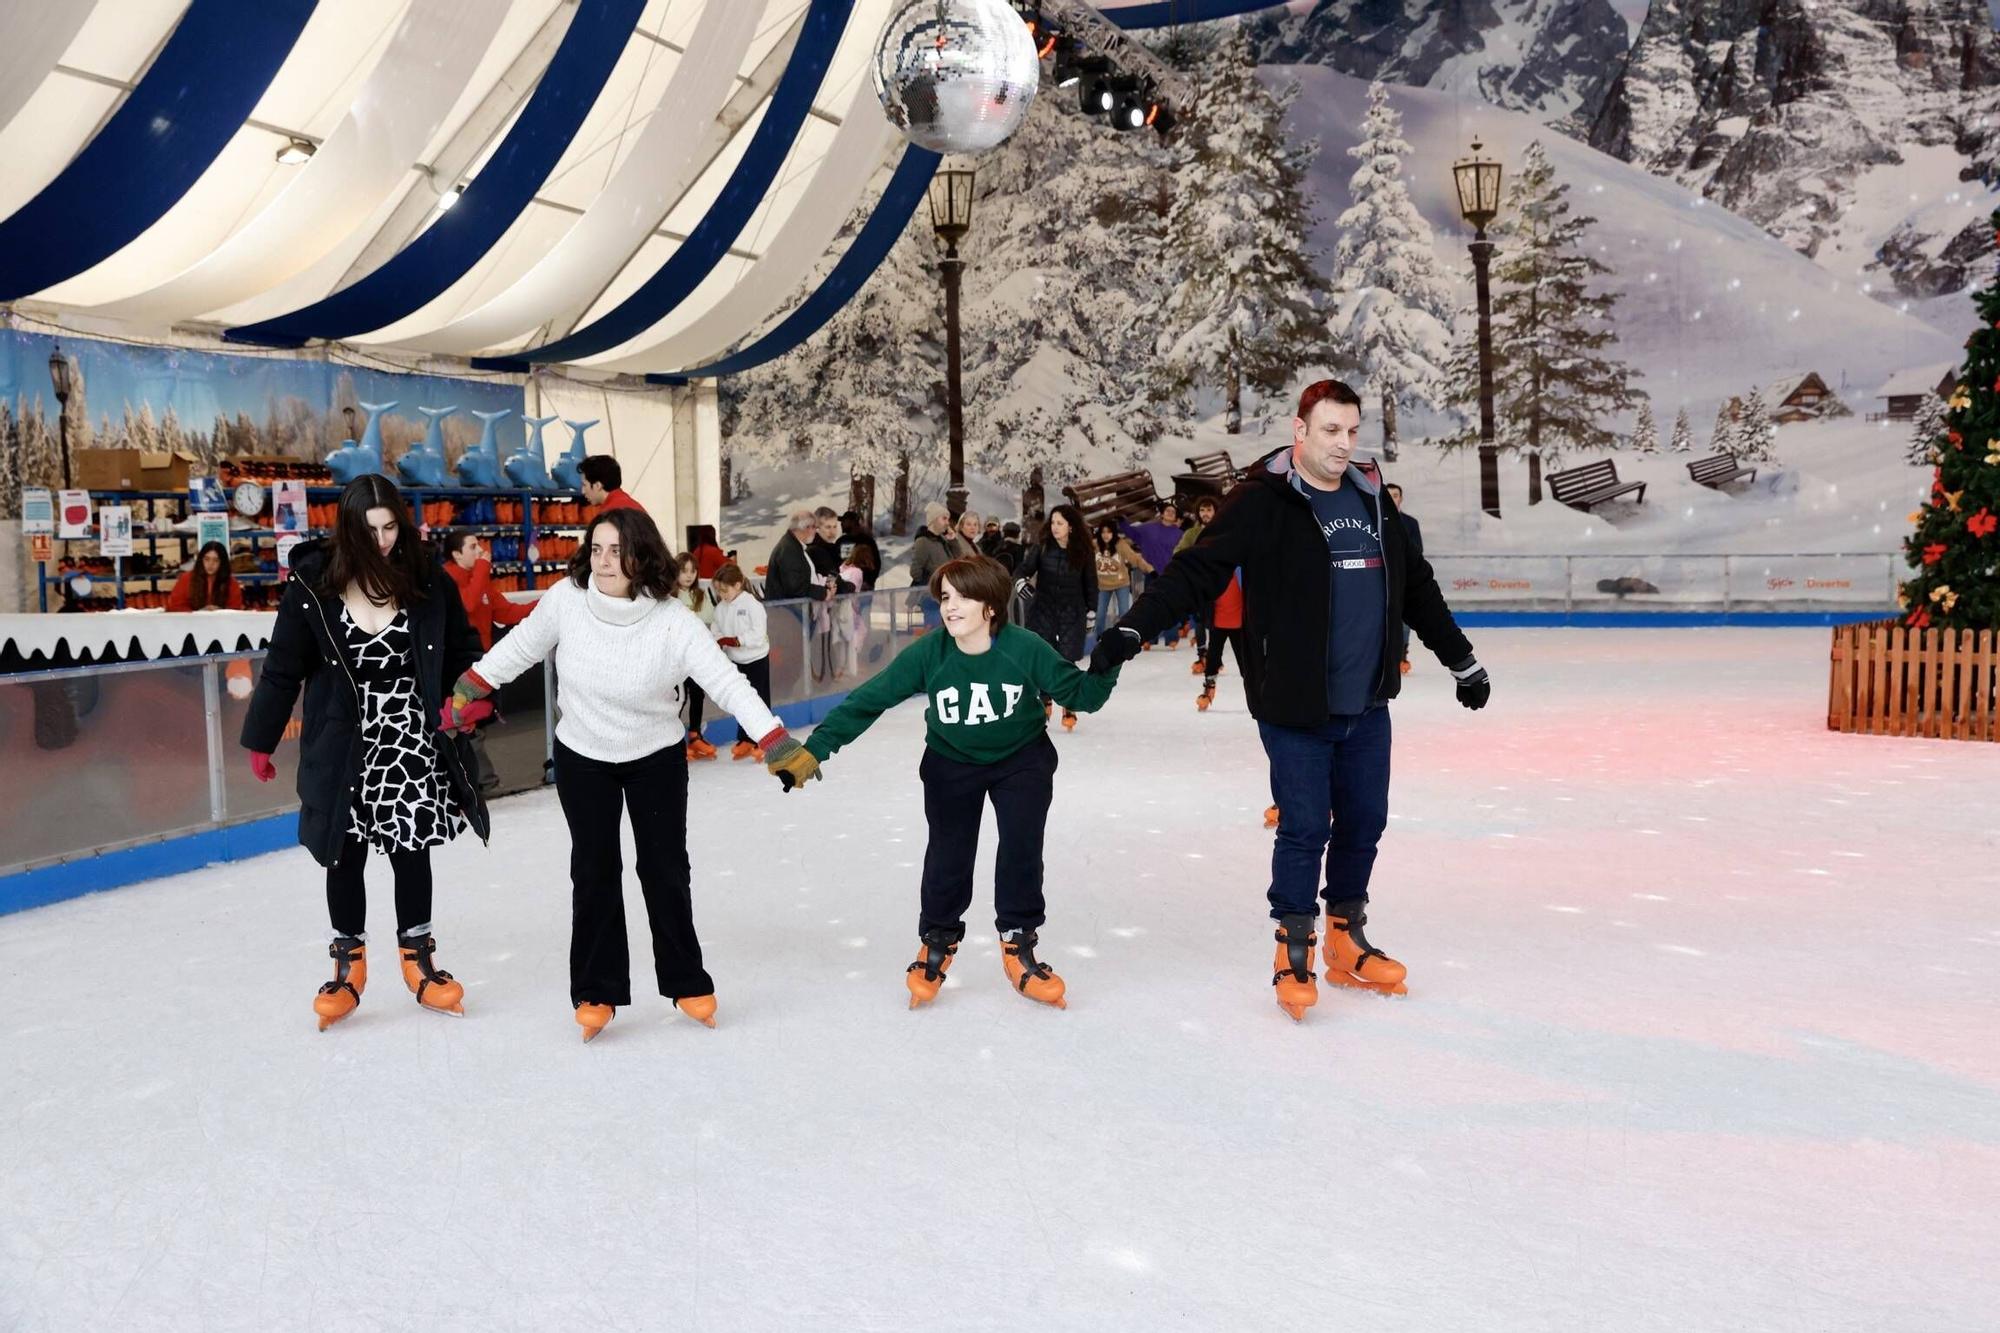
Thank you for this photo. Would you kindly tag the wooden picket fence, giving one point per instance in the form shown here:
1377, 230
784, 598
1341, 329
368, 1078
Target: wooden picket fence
1890, 680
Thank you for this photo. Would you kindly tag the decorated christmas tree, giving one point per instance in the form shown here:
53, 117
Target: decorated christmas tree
1953, 551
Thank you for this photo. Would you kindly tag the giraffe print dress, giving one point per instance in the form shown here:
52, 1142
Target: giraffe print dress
403, 804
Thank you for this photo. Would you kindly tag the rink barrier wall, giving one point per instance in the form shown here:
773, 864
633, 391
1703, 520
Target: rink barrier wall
1658, 619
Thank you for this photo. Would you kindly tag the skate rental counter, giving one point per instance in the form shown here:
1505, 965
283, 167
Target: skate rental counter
121, 771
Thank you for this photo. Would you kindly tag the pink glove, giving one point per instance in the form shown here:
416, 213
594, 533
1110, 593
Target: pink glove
453, 716
261, 765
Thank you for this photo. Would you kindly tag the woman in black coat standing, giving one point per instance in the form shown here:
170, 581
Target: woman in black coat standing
1065, 580
373, 633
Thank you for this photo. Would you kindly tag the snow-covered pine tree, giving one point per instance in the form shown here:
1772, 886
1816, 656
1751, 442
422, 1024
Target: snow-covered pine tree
1645, 433
1391, 301
1727, 436
1556, 383
10, 463
1683, 440
1927, 432
1756, 433
1248, 308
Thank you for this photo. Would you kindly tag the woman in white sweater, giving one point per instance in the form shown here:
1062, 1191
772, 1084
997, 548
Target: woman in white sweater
624, 646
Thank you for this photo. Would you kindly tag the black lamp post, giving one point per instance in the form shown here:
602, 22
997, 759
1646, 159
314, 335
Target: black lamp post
1478, 181
59, 373
951, 218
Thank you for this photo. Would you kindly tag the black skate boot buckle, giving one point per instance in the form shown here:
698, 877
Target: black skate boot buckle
1298, 949
939, 946
423, 947
1022, 947
343, 951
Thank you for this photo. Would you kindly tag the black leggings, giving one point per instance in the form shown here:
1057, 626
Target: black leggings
695, 699
347, 893
1217, 637
759, 675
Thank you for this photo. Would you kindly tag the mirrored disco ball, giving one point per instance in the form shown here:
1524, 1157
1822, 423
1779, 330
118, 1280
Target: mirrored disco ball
956, 76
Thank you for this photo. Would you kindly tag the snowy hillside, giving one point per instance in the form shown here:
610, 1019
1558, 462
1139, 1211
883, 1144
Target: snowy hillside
1708, 303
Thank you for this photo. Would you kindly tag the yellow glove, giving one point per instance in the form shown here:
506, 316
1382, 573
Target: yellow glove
791, 763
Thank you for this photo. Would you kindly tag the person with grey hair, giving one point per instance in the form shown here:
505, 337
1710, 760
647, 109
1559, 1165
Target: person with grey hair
934, 547
789, 573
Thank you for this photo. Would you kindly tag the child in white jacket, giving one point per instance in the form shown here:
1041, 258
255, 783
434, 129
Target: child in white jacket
623, 647
743, 631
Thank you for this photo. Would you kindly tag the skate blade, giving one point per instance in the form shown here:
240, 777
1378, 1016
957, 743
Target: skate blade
455, 1011
591, 1034
1352, 982
1297, 1011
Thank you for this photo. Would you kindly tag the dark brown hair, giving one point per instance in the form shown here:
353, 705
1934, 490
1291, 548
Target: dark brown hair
1079, 545
642, 553
686, 558
204, 591
1320, 391
455, 540
354, 561
980, 577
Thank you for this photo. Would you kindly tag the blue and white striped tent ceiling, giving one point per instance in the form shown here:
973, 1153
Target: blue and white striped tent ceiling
643, 185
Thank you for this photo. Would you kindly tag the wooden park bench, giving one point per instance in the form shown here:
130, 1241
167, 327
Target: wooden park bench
1207, 474
1719, 470
1128, 495
1592, 484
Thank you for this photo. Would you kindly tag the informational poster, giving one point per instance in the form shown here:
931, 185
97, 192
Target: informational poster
38, 511
289, 506
72, 513
114, 530
206, 496
211, 528
42, 548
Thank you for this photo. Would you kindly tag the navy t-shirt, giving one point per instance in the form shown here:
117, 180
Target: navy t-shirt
1359, 595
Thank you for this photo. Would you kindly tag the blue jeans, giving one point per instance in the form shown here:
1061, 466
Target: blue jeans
1107, 598
1338, 769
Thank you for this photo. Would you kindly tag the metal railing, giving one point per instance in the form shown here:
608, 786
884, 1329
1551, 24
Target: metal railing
1840, 581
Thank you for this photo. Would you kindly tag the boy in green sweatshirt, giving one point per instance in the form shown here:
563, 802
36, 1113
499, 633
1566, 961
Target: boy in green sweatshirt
986, 738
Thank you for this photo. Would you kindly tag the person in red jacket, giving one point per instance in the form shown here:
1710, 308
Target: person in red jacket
207, 585
603, 482
471, 570
1225, 624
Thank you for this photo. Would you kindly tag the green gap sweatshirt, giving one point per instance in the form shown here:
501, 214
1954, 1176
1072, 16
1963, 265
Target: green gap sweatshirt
978, 709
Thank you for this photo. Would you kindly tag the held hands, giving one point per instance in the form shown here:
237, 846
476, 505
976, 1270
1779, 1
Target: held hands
1115, 647
463, 715
1474, 686
262, 767
791, 763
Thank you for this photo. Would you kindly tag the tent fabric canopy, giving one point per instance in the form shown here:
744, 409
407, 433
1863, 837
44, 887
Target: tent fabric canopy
640, 186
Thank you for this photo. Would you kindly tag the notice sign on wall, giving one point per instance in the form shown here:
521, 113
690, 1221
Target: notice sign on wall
38, 510
114, 530
72, 513
211, 528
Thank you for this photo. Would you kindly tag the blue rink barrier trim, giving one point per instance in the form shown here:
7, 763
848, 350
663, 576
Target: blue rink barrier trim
151, 860
236, 842
1659, 619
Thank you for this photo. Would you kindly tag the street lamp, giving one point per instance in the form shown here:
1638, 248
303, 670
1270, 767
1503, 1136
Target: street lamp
951, 218
1478, 181
59, 373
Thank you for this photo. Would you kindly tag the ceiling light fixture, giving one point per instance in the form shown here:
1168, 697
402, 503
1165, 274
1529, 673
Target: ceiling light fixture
296, 151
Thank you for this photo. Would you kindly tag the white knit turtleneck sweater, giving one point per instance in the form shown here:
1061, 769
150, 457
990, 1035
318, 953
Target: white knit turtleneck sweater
620, 665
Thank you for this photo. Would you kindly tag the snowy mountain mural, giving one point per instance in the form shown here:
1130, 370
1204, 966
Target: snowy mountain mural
1720, 330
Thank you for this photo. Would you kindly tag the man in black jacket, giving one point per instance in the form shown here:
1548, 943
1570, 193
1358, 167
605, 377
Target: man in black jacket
789, 574
1329, 579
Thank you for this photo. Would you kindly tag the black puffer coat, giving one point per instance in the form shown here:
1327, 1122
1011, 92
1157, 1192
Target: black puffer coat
1064, 597
306, 652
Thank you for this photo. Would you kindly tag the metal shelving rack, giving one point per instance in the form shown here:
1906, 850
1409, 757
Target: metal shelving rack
259, 537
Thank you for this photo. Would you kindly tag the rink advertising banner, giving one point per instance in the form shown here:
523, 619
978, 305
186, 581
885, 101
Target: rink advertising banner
214, 405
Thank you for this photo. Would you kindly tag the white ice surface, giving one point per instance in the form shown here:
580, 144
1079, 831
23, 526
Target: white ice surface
1701, 1035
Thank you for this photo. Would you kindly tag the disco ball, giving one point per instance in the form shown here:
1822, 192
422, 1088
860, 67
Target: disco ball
956, 76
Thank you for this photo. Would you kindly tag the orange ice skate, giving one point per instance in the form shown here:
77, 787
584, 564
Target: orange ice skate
434, 989
1032, 978
1351, 960
1292, 974
338, 998
593, 1018
926, 975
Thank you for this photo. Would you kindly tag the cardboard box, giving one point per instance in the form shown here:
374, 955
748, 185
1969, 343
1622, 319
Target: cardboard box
130, 469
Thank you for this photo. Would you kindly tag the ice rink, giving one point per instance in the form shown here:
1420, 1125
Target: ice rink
1703, 1034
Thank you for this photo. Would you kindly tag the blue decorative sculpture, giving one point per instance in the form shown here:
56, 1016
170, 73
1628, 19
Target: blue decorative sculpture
526, 466
568, 475
353, 460
424, 465
480, 465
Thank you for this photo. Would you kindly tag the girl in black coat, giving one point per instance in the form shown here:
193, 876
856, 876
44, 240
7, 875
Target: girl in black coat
375, 636
1065, 579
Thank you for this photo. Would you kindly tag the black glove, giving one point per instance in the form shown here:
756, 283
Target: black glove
1115, 647
1474, 686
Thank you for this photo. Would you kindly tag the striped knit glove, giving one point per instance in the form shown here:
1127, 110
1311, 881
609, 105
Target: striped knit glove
467, 706
1474, 688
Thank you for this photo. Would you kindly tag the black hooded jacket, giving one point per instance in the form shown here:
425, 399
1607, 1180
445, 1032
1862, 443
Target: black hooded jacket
1267, 528
307, 653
